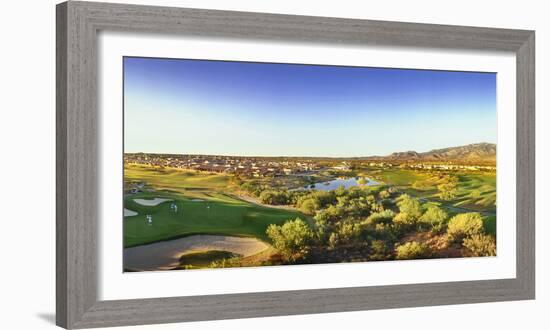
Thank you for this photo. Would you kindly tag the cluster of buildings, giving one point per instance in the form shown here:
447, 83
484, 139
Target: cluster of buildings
249, 166
429, 166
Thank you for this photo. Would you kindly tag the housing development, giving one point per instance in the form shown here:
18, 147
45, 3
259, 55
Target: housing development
276, 166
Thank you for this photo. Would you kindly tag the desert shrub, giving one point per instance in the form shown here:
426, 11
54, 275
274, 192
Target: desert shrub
448, 189
274, 197
292, 239
324, 198
315, 201
347, 235
434, 218
412, 250
392, 190
385, 216
403, 222
464, 225
384, 194
322, 225
226, 263
379, 250
252, 188
481, 245
308, 205
385, 232
333, 241
475, 193
410, 206
340, 191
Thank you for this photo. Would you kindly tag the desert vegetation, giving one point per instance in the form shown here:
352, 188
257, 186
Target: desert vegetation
335, 213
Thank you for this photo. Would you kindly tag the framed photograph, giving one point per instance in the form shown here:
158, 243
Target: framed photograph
216, 164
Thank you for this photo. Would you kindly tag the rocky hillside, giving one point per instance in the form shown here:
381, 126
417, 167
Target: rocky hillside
484, 152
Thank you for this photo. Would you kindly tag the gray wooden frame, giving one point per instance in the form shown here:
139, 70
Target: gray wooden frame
77, 150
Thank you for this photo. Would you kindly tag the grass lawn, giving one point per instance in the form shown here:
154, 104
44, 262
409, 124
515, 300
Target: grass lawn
398, 177
476, 191
490, 224
202, 208
175, 179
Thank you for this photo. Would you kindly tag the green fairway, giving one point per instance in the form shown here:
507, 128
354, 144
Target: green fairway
175, 180
475, 191
399, 177
201, 209
219, 214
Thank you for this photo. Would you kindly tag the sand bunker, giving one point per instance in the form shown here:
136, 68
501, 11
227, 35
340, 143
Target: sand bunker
151, 202
129, 213
165, 255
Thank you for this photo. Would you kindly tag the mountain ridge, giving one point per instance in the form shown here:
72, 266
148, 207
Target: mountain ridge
482, 151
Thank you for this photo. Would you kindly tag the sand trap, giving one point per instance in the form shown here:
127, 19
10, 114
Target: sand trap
165, 255
197, 200
151, 202
129, 213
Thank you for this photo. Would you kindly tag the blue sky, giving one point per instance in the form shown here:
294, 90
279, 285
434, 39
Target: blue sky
264, 109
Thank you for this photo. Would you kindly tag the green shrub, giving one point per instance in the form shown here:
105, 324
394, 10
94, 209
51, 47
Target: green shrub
448, 189
409, 205
292, 239
385, 232
274, 197
403, 222
309, 206
464, 225
226, 263
347, 235
379, 250
481, 245
384, 194
385, 216
412, 250
434, 218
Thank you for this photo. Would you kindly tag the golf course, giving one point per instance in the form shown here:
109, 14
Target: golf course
191, 204
178, 218
245, 164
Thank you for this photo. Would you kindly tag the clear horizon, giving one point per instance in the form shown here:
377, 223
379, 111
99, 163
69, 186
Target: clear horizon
283, 156
174, 106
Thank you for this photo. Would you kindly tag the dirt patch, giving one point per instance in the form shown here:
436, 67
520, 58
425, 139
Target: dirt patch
166, 255
438, 244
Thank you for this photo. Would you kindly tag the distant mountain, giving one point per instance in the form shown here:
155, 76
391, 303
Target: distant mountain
477, 152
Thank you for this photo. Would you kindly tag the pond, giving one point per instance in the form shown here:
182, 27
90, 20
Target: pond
334, 184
